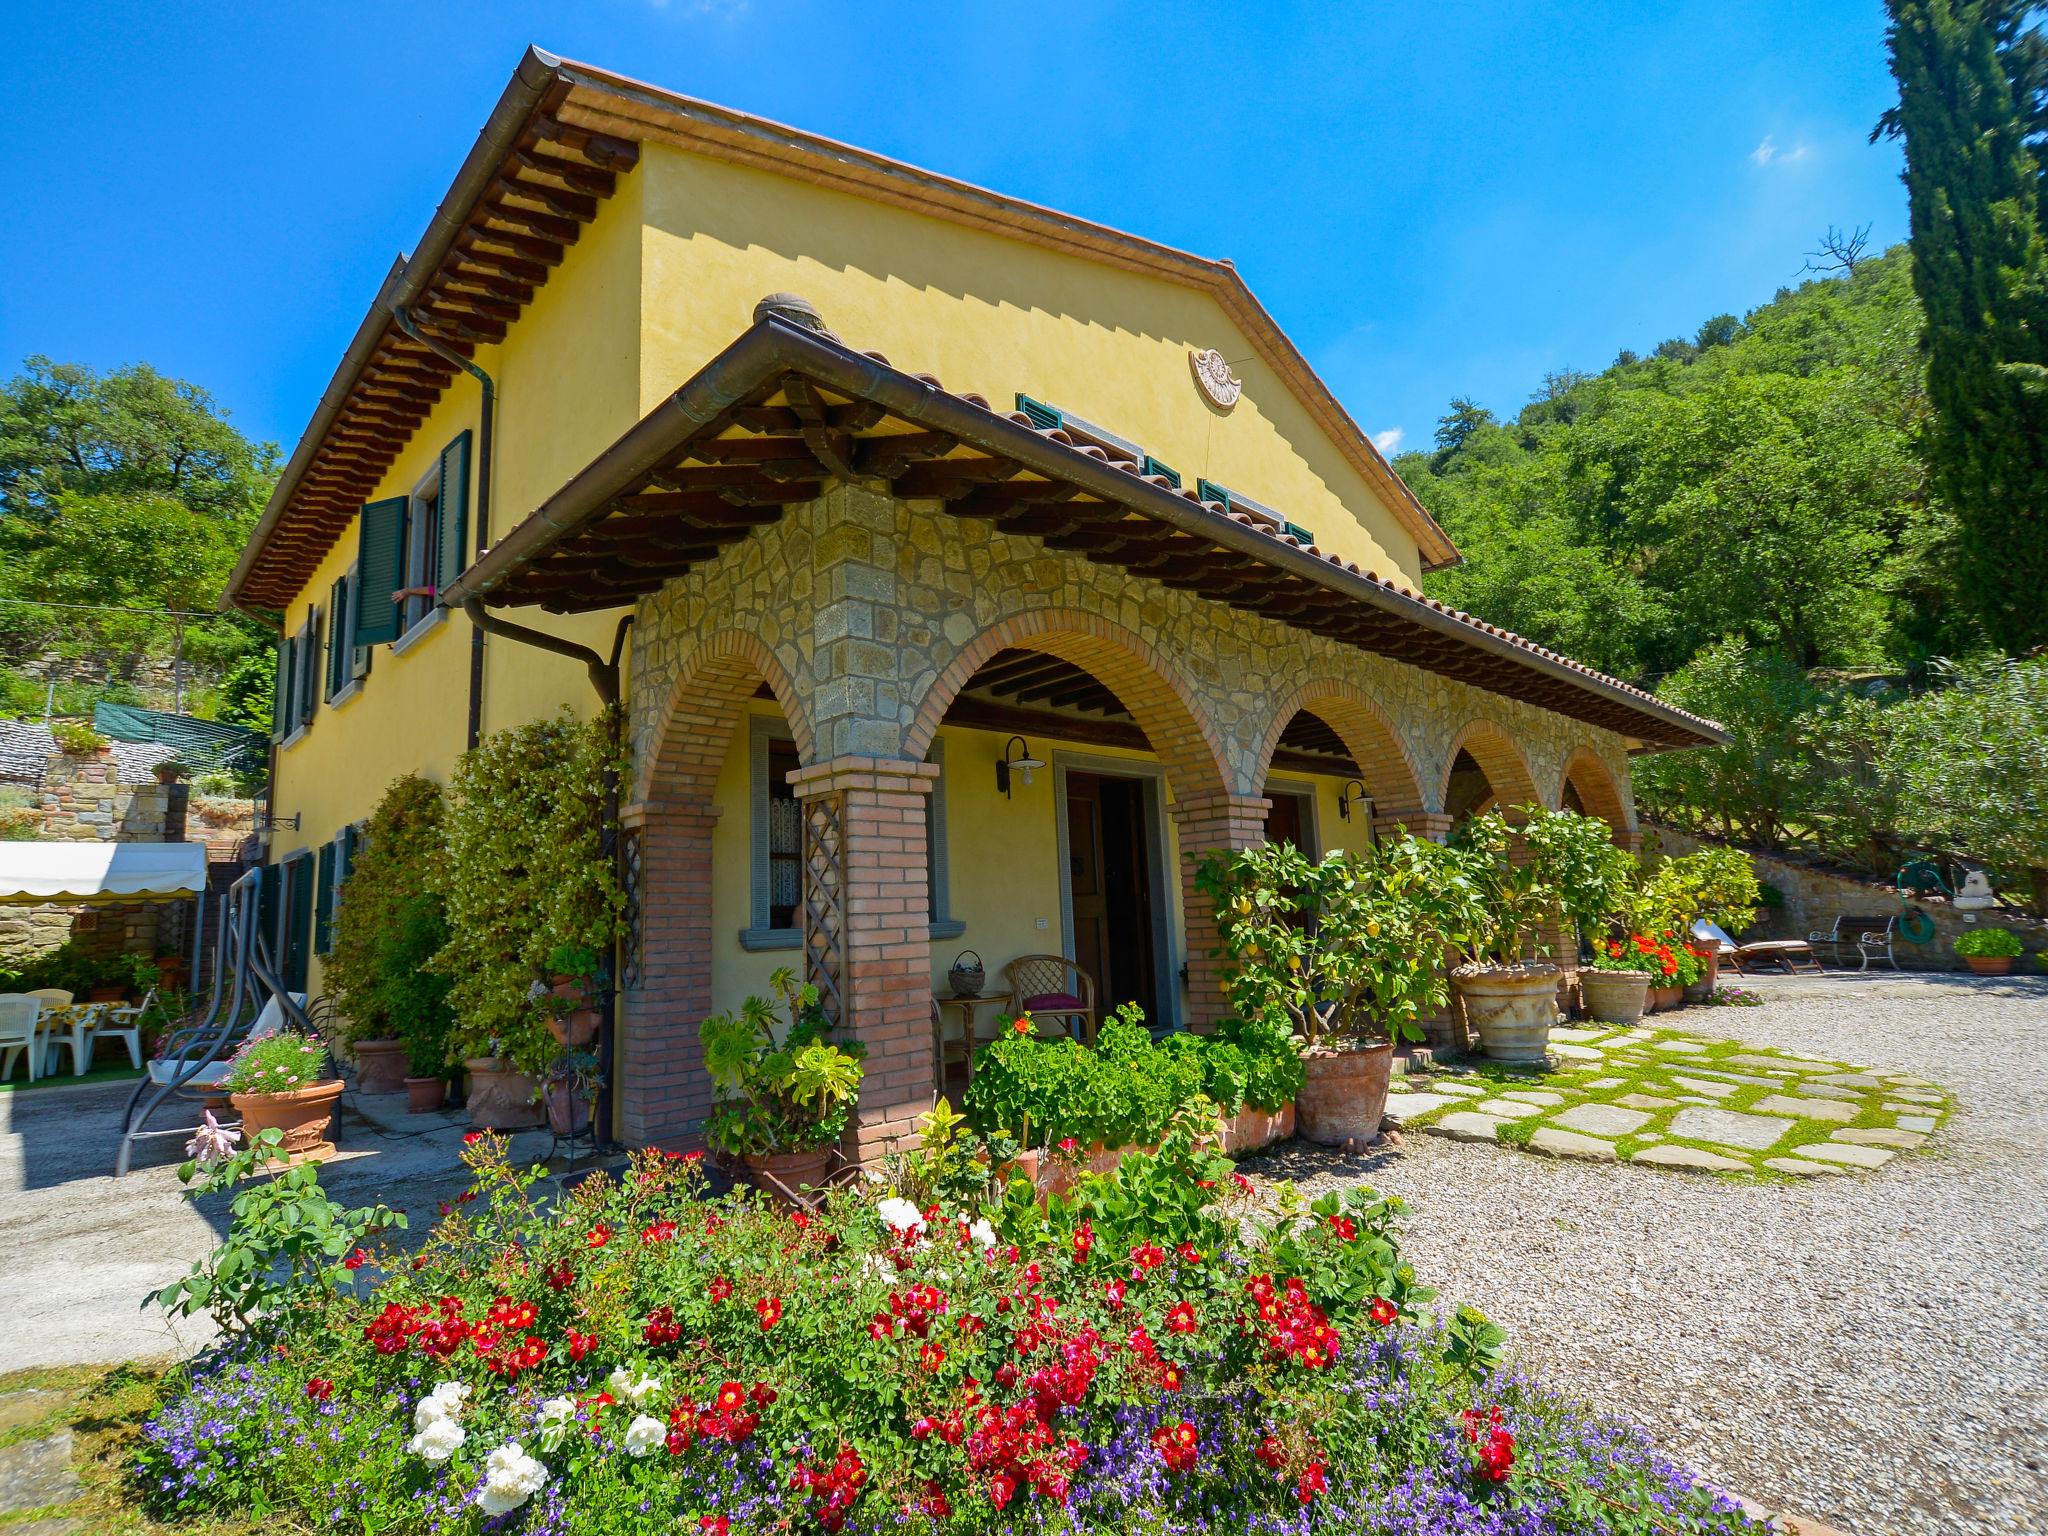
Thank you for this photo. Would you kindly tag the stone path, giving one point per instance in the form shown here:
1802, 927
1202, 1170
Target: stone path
35, 1464
1668, 1099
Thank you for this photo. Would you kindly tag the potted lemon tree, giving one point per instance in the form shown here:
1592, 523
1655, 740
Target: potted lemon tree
1347, 952
785, 1093
1553, 871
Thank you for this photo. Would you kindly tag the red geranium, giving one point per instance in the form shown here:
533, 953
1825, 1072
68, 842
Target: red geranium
319, 1389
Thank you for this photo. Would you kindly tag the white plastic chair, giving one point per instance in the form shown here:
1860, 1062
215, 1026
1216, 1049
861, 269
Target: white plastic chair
72, 1040
123, 1024
21, 1030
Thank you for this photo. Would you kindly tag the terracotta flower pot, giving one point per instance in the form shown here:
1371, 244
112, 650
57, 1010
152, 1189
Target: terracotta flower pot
304, 1116
1344, 1094
1251, 1128
1662, 998
501, 1097
568, 1111
575, 1030
781, 1174
1703, 989
424, 1095
1989, 965
108, 994
1615, 997
380, 1066
1511, 1006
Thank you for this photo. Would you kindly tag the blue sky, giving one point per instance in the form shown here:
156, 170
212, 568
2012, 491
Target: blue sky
1434, 200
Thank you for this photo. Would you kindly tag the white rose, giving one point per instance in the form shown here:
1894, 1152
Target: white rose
645, 1436
983, 1233
556, 1415
511, 1477
900, 1215
445, 1402
438, 1439
628, 1388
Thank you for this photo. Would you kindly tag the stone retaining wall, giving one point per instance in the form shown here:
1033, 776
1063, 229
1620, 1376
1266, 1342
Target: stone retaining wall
1814, 898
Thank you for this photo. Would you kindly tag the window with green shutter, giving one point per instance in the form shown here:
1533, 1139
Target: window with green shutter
323, 898
306, 658
281, 690
380, 571
452, 514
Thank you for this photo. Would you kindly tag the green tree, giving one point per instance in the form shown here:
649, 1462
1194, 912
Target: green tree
1454, 430
1980, 265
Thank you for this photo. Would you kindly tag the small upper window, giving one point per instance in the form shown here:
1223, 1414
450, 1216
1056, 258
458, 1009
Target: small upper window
422, 553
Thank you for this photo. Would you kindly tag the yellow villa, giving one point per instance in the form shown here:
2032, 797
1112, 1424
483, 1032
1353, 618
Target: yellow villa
960, 566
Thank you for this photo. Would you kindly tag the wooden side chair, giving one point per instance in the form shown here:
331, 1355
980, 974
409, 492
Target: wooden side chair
1052, 987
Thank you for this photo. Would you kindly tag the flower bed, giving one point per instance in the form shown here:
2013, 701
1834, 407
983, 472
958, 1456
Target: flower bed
1136, 1359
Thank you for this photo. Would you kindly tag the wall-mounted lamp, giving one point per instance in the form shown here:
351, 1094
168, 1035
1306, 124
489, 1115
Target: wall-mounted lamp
1022, 761
1351, 794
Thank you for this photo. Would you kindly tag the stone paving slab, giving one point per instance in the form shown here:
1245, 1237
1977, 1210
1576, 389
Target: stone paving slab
36, 1474
1666, 1099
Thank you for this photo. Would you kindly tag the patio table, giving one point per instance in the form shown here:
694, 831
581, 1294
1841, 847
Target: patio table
75, 1021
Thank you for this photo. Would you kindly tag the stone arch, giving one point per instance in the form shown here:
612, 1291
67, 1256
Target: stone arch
1384, 761
705, 698
1172, 717
1499, 757
1599, 793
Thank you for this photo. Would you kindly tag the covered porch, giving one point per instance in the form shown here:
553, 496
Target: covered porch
854, 594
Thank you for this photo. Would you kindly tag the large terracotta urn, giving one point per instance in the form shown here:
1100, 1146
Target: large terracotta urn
501, 1097
1344, 1093
303, 1115
1511, 1007
1615, 997
380, 1066
786, 1175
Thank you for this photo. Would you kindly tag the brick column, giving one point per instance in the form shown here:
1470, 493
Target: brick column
1432, 825
1207, 822
663, 1092
868, 913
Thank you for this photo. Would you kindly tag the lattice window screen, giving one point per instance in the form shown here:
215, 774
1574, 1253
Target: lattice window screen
630, 927
824, 925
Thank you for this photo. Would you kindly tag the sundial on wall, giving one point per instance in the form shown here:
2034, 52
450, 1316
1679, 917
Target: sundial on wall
1213, 376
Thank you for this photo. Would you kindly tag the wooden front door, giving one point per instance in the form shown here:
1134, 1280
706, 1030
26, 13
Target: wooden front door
1110, 889
1283, 821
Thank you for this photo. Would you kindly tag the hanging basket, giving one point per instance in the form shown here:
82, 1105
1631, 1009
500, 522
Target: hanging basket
967, 979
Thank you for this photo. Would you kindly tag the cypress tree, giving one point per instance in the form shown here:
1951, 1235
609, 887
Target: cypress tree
1980, 266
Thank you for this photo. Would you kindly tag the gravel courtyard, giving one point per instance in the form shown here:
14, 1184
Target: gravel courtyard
1870, 1350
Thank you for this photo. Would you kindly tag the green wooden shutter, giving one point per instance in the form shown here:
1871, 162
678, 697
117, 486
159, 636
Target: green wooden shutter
298, 920
1151, 466
380, 571
323, 900
281, 691
337, 637
269, 893
451, 545
308, 695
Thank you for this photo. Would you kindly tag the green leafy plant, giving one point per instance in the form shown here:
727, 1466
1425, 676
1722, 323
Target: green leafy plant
1989, 944
782, 1087
1715, 884
390, 924
289, 1244
281, 1063
525, 873
76, 739
1547, 869
1340, 950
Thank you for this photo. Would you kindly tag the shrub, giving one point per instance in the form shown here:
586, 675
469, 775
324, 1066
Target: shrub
782, 1087
635, 1358
1718, 885
390, 924
280, 1063
76, 739
1990, 944
526, 872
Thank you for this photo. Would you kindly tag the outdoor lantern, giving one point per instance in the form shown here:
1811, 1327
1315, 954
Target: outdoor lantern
1351, 794
1017, 755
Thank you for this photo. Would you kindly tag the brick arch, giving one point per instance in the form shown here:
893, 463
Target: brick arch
1499, 757
1385, 764
1598, 789
1173, 719
703, 705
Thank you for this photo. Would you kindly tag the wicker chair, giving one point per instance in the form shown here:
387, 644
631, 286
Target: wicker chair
1052, 987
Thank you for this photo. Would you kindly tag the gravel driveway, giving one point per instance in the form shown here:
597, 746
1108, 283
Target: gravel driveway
1870, 1350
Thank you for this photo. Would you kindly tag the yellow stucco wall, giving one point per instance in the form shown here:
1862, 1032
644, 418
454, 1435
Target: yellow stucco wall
995, 316
1002, 856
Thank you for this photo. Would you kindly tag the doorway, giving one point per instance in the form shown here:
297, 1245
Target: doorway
1112, 888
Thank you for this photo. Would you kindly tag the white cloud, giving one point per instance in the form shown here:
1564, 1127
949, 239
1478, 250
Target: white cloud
1389, 441
1768, 153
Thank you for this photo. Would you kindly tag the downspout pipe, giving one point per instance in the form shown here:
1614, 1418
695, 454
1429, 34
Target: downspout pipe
604, 678
481, 541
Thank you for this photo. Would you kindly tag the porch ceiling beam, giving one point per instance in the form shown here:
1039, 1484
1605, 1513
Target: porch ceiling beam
950, 478
887, 457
